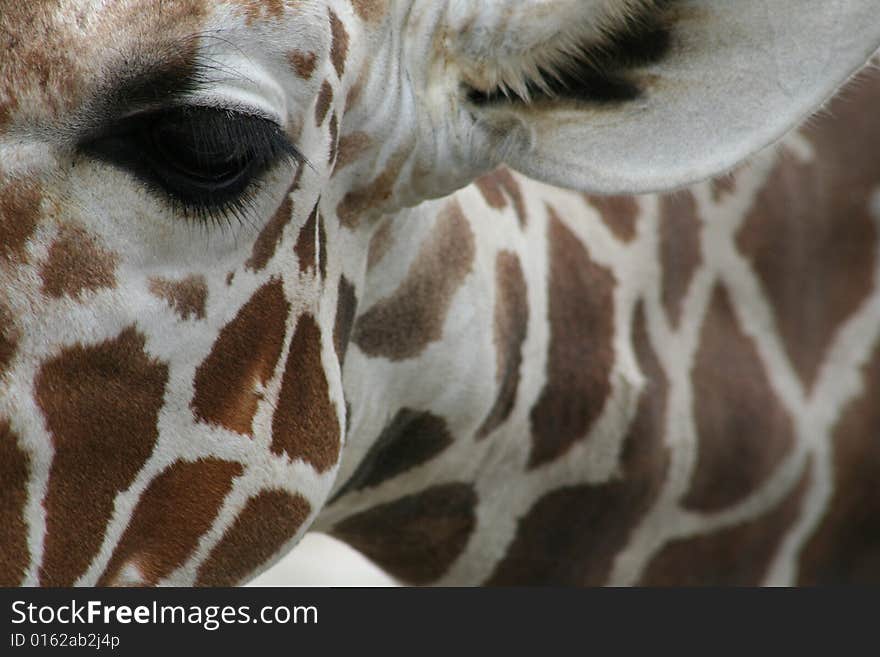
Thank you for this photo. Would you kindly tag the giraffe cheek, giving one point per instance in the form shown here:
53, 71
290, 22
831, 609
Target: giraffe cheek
267, 522
101, 403
305, 425
178, 507
245, 354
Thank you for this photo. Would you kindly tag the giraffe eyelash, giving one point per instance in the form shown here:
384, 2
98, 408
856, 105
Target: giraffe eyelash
206, 162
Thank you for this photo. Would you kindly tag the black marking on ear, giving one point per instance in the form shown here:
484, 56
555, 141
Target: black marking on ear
587, 87
642, 41
600, 74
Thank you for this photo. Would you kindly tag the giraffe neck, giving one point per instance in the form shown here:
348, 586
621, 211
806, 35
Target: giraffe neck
624, 390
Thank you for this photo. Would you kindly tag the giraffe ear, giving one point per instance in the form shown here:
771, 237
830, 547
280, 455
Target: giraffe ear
627, 96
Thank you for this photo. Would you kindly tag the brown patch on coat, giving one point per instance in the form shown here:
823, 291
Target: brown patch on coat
9, 336
14, 473
418, 537
359, 201
350, 148
334, 140
355, 91
619, 213
491, 189
261, 10
371, 11
268, 521
571, 536
402, 325
680, 252
322, 247
77, 263
303, 63
305, 425
244, 355
339, 45
187, 297
270, 237
312, 235
8, 106
411, 439
175, 20
322, 105
580, 356
101, 405
346, 307
380, 243
736, 556
39, 62
511, 327
306, 242
19, 214
845, 547
497, 186
810, 235
744, 431
52, 56
178, 506
723, 186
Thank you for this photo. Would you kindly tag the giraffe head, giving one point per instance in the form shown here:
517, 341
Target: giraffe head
188, 187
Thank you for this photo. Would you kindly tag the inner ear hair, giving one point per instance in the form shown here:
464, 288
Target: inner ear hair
590, 70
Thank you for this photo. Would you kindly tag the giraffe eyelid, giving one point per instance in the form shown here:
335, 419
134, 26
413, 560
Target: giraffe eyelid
207, 162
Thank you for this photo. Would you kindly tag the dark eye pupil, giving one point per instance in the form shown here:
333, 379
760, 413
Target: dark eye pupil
186, 149
205, 159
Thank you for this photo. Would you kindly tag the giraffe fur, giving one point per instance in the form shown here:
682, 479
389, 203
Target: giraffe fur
427, 315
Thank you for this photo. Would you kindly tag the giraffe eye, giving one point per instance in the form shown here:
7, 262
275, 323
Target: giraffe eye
205, 160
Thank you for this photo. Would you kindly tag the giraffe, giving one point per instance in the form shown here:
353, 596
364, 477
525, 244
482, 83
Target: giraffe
481, 288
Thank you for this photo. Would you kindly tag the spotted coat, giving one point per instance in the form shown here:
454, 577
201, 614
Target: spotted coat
468, 375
